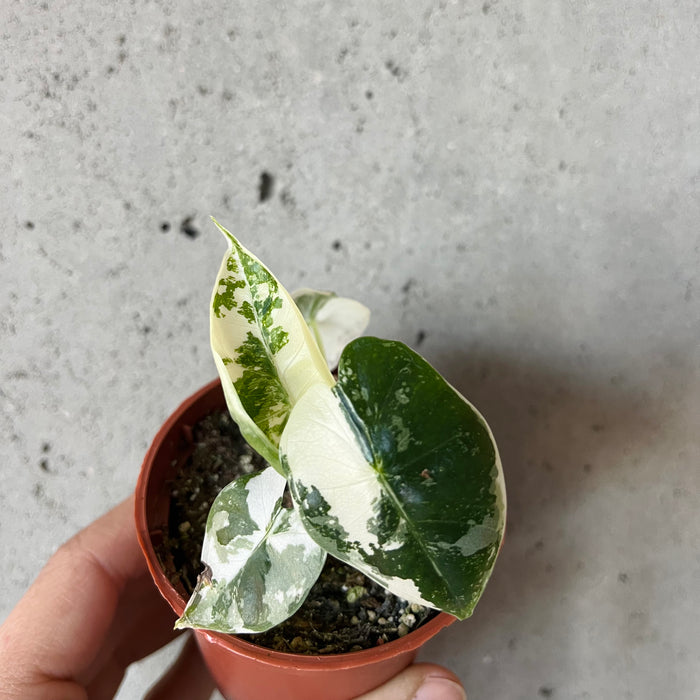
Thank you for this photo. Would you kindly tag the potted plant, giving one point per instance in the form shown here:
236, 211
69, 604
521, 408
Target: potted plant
383, 466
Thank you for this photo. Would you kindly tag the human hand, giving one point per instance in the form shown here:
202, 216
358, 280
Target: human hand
420, 682
93, 610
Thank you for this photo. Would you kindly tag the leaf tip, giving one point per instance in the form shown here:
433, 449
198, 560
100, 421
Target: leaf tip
227, 234
182, 623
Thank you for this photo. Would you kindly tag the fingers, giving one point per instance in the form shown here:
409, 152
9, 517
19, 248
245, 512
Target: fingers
187, 677
59, 625
143, 622
112, 544
420, 682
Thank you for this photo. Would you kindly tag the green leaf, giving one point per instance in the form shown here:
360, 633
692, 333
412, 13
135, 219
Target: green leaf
261, 562
398, 475
263, 349
333, 320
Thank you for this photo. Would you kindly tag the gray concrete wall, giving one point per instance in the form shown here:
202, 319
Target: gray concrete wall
515, 183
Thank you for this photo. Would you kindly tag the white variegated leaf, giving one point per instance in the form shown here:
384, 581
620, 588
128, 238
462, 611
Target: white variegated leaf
333, 320
263, 349
398, 475
251, 547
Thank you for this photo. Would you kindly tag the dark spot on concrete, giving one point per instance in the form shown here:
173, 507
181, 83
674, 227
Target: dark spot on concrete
407, 286
287, 199
38, 491
146, 330
420, 337
127, 206
121, 39
122, 56
395, 70
342, 54
45, 447
116, 271
546, 691
29, 225
165, 227
336, 245
547, 466
539, 545
688, 292
226, 95
44, 465
597, 427
266, 186
512, 643
369, 94
188, 228
203, 90
587, 468
360, 126
110, 70
77, 225
562, 112
516, 107
226, 201
562, 166
622, 577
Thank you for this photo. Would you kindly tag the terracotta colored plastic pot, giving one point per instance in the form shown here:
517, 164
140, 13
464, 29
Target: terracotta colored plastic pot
245, 671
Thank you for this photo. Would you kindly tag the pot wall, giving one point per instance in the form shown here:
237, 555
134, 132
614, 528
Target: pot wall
244, 671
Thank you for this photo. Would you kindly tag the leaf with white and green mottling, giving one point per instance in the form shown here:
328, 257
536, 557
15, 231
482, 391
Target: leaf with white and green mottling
263, 349
333, 320
395, 473
251, 545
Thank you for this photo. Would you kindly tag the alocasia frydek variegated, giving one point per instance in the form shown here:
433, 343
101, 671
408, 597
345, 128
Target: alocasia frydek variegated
390, 469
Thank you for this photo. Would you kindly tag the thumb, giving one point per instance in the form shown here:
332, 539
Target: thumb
420, 682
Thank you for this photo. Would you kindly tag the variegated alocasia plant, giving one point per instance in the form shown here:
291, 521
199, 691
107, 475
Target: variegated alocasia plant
389, 468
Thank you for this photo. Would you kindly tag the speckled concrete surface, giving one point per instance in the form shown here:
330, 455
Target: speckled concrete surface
513, 187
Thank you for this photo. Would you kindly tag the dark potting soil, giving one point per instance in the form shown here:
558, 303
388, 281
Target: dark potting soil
344, 611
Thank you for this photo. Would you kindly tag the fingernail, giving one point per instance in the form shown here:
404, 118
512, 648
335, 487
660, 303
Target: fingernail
439, 688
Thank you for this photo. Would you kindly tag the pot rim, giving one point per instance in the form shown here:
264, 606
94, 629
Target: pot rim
412, 641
